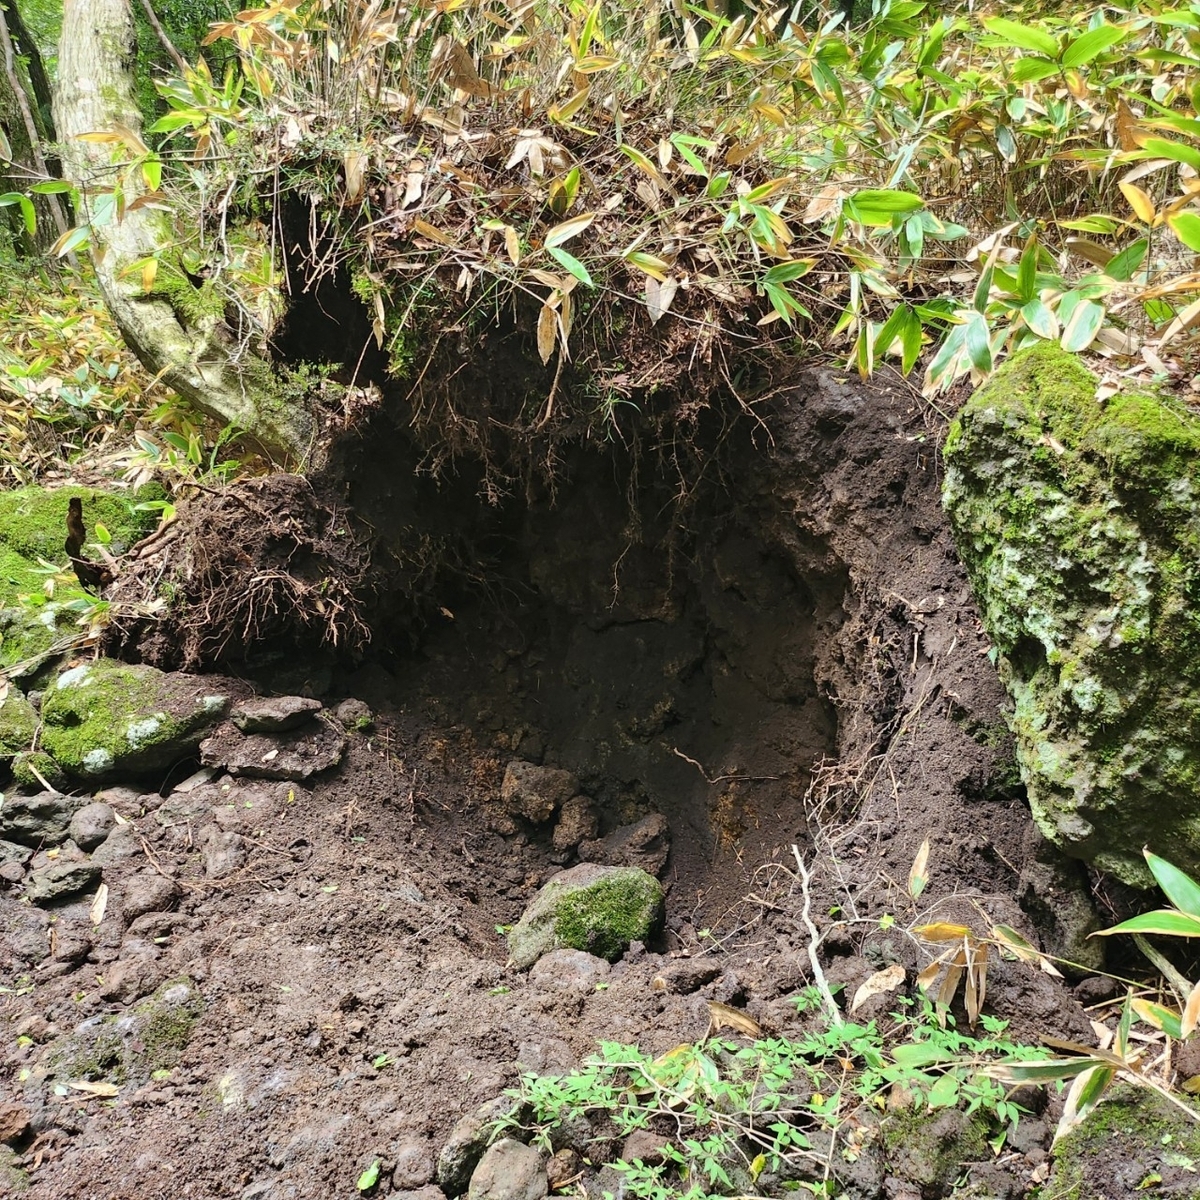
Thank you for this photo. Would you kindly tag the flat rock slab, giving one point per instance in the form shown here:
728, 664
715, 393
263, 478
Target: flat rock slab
60, 879
274, 714
296, 755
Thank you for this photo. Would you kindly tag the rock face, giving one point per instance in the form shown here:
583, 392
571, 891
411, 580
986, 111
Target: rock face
1079, 524
593, 908
107, 719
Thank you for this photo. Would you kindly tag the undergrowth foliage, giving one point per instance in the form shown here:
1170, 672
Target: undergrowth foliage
928, 180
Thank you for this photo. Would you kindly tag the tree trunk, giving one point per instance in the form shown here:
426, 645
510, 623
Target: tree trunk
193, 352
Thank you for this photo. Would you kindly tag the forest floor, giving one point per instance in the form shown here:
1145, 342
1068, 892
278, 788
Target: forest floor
808, 675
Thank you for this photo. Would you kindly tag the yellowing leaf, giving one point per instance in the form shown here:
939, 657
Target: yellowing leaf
654, 266
940, 931
566, 230
149, 273
94, 1088
1191, 1013
512, 244
431, 232
1139, 201
880, 983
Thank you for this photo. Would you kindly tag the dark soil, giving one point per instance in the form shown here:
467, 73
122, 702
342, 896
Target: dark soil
766, 636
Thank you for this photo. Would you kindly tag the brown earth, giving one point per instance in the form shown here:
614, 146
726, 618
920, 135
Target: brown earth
791, 658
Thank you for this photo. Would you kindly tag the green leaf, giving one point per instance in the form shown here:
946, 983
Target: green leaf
1186, 227
1161, 148
1040, 319
1048, 1070
1181, 889
1094, 1087
943, 1093
1024, 37
1122, 266
1081, 329
1088, 45
572, 264
786, 272
1027, 271
1031, 70
1167, 921
102, 534
369, 1178
979, 346
51, 187
878, 207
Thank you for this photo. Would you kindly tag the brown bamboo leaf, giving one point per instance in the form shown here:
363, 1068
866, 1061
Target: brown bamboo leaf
98, 1088
452, 61
1185, 320
149, 273
878, 984
1139, 201
1129, 133
512, 244
565, 311
547, 329
918, 876
723, 1016
431, 232
1101, 256
354, 164
926, 977
99, 904
659, 297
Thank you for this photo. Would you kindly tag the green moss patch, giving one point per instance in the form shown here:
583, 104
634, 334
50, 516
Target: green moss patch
1079, 524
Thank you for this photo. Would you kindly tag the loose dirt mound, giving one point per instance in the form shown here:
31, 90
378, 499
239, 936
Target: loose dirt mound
797, 660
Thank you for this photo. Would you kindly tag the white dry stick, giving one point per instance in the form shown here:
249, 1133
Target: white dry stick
814, 942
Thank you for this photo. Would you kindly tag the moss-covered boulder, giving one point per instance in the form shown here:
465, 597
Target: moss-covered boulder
32, 532
593, 908
1134, 1144
1078, 520
107, 719
18, 722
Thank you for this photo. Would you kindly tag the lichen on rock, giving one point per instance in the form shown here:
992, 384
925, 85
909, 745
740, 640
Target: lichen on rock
107, 719
1079, 524
593, 908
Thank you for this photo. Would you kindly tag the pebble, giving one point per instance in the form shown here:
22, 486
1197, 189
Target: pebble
121, 843
273, 714
60, 879
575, 969
148, 892
414, 1165
509, 1170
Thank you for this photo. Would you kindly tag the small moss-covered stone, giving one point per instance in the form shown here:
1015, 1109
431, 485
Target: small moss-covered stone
1134, 1143
130, 1046
1079, 524
930, 1148
35, 768
593, 908
18, 723
108, 719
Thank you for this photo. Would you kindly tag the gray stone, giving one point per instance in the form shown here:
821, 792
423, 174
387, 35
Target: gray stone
644, 844
224, 853
414, 1165
646, 1146
429, 1192
574, 969
287, 756
594, 908
14, 852
42, 819
122, 843
91, 825
273, 714
534, 792
60, 879
11, 872
463, 1149
33, 769
148, 892
72, 944
355, 714
509, 1170
576, 823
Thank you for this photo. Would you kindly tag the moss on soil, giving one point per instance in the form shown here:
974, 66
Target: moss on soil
32, 533
1079, 524
18, 723
131, 1046
1132, 1137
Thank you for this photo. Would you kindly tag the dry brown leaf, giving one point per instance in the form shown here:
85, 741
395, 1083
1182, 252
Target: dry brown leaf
93, 1088
723, 1016
354, 164
431, 232
659, 296
1139, 201
99, 904
1129, 132
512, 244
547, 329
881, 982
1185, 320
452, 61
918, 873
928, 974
